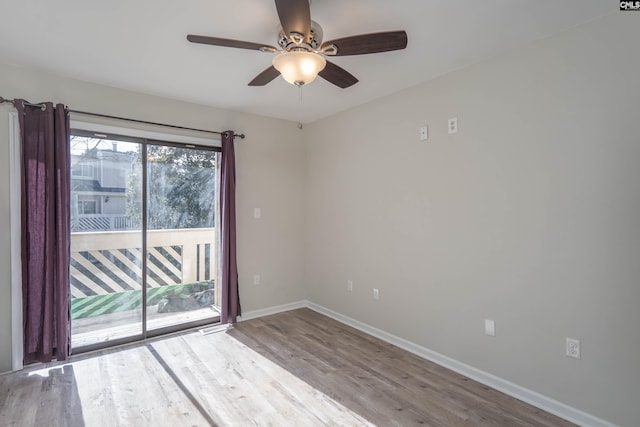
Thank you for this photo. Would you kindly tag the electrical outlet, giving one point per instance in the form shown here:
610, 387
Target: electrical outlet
350, 285
257, 213
573, 348
453, 125
376, 293
424, 133
256, 279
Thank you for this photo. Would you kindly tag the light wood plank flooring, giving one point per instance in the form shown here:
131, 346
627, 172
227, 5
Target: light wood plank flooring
297, 368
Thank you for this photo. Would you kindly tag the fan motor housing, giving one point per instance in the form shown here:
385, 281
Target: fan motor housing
313, 43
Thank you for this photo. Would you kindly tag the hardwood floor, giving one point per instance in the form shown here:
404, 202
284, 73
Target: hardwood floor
297, 368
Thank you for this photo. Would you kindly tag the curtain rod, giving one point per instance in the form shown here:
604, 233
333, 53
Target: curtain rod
12, 101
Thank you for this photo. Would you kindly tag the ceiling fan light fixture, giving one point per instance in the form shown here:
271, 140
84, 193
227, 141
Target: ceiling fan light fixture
299, 67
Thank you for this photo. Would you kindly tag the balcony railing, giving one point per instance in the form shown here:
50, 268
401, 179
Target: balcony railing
111, 261
101, 222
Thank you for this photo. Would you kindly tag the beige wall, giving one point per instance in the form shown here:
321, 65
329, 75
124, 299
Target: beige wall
529, 215
270, 175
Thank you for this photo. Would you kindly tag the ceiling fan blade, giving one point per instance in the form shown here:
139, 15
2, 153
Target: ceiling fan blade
217, 41
337, 75
265, 77
295, 17
369, 43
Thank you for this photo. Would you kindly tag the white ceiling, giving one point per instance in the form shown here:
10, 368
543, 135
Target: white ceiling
140, 45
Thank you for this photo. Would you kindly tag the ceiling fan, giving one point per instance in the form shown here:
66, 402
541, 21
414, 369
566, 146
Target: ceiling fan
302, 52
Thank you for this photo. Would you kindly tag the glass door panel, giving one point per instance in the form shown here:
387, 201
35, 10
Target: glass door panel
180, 237
106, 240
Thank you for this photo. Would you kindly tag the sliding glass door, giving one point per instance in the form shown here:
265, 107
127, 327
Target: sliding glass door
180, 236
106, 240
142, 230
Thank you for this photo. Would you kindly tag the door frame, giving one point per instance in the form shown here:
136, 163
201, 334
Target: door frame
17, 340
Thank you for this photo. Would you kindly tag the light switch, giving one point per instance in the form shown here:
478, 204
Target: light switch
490, 327
257, 213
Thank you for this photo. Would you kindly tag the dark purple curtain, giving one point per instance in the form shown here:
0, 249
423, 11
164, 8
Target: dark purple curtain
229, 273
45, 231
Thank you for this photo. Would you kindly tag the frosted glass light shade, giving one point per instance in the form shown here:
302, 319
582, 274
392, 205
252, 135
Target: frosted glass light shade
299, 67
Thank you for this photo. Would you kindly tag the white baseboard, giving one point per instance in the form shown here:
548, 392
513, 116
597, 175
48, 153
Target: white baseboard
529, 396
273, 310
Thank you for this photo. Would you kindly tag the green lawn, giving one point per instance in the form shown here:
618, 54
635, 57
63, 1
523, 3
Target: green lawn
128, 300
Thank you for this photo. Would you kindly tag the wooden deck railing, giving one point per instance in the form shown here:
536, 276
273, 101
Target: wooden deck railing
111, 261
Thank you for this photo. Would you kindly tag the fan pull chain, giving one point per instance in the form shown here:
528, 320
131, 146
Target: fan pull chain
300, 109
